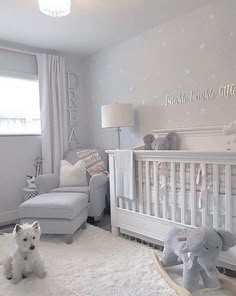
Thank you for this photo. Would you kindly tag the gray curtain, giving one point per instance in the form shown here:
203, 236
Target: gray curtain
52, 89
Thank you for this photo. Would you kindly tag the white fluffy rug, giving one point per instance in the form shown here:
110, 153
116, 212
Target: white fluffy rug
96, 264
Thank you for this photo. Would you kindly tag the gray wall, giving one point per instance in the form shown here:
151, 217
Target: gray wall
17, 155
192, 52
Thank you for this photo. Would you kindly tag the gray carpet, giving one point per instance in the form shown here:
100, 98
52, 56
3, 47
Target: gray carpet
7, 228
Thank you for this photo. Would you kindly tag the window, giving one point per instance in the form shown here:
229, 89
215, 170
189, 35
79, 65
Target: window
19, 106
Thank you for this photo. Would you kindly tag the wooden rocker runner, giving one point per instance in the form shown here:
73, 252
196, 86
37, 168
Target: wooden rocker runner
225, 283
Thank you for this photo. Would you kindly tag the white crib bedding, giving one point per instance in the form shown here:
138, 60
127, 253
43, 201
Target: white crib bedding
128, 205
210, 199
209, 177
188, 211
179, 199
198, 218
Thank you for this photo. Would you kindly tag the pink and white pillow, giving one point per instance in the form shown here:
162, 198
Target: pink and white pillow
93, 161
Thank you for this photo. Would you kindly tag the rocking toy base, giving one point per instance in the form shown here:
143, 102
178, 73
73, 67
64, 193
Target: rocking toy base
225, 283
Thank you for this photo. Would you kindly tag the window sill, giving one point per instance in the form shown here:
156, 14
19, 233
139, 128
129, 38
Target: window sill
19, 135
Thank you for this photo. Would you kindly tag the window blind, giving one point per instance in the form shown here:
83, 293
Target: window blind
18, 65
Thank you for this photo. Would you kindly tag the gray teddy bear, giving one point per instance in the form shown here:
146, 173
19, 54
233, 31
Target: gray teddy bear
169, 142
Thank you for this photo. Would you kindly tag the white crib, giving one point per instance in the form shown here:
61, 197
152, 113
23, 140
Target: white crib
177, 188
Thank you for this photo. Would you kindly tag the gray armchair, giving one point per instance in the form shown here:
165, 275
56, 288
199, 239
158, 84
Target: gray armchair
96, 190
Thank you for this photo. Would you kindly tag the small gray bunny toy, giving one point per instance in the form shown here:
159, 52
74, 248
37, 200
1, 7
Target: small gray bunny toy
199, 250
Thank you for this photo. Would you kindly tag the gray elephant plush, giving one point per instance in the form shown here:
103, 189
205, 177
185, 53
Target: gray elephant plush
199, 250
169, 142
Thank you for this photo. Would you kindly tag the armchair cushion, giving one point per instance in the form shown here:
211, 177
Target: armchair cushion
47, 182
82, 189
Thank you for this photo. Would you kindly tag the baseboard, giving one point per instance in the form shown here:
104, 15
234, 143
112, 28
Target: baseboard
7, 217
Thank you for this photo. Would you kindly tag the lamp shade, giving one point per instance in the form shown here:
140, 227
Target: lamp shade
117, 115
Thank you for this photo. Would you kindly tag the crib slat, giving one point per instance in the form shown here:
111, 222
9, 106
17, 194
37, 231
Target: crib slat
120, 202
140, 186
193, 194
113, 198
134, 202
205, 202
156, 196
216, 200
173, 191
228, 198
183, 197
148, 198
127, 205
165, 197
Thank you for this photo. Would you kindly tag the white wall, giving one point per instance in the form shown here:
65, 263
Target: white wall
191, 52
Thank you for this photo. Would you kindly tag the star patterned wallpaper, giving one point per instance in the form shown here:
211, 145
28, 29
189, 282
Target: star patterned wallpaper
194, 52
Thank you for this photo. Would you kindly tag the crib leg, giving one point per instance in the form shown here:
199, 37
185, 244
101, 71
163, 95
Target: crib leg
115, 230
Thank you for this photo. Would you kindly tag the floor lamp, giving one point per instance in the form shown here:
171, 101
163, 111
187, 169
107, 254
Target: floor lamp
117, 115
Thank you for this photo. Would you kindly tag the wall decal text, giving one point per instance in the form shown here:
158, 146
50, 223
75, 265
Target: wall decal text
72, 108
209, 94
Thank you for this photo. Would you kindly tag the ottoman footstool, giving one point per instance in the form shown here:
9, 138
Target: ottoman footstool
57, 212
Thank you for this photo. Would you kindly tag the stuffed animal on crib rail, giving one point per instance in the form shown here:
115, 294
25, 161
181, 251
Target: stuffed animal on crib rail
169, 142
148, 139
199, 250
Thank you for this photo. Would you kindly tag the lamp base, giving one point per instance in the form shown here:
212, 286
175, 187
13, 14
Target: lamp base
118, 131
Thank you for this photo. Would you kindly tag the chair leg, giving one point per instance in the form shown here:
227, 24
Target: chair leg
69, 238
98, 218
84, 225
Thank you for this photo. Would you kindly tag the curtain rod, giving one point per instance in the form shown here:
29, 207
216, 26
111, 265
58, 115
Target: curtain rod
4, 47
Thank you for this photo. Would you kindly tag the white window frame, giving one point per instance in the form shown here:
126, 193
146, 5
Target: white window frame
23, 76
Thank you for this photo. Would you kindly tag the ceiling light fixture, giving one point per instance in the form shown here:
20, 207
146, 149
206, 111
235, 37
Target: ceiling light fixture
55, 8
